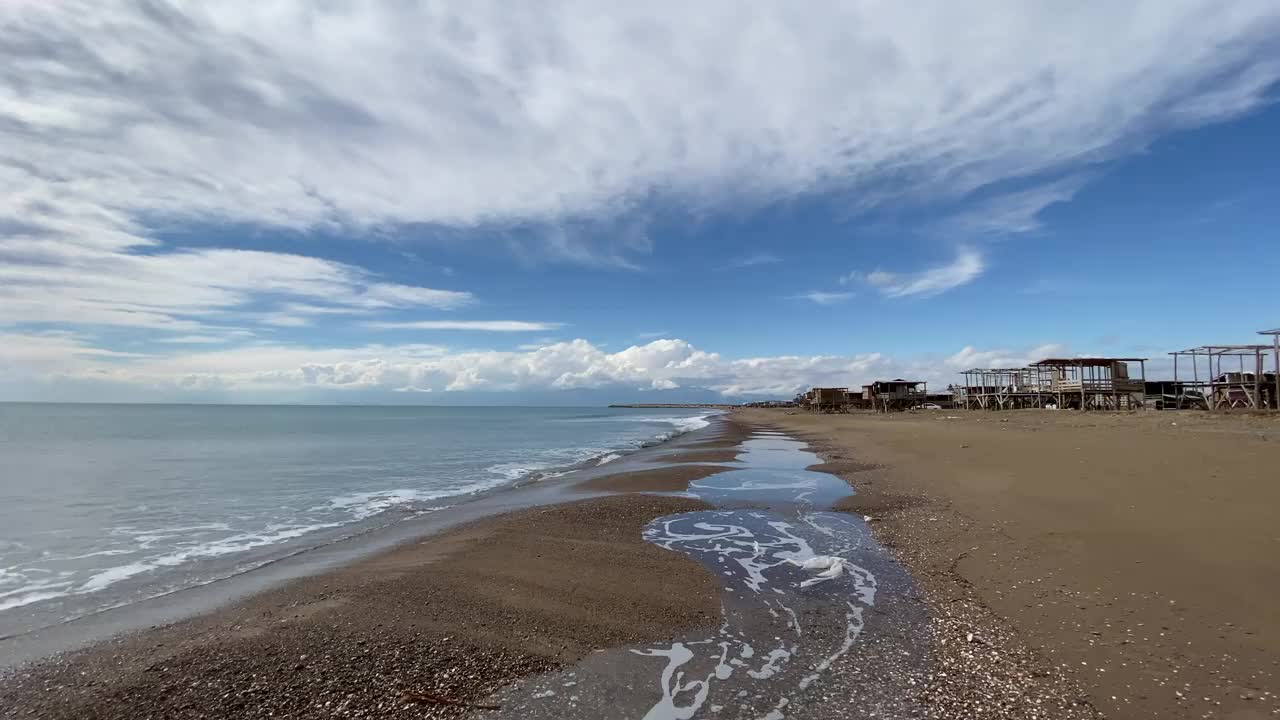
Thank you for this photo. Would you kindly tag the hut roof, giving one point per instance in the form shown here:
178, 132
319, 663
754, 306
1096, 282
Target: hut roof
1085, 361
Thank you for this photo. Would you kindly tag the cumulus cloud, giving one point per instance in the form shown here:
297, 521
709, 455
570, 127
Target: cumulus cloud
967, 265
264, 371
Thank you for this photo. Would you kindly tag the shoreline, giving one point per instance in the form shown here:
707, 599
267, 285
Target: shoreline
456, 615
1101, 578
490, 608
445, 624
554, 571
538, 488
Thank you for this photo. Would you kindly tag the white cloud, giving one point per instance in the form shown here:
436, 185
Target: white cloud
482, 325
195, 340
752, 260
1014, 212
264, 372
967, 265
970, 357
296, 114
185, 290
820, 297
118, 120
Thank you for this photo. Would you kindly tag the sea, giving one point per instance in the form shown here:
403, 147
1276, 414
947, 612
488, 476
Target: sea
106, 505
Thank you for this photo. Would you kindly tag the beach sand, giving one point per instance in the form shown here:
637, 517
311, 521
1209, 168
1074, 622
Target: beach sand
1073, 565
456, 615
666, 479
1138, 555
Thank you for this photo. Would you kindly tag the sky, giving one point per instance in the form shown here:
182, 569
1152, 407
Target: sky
583, 202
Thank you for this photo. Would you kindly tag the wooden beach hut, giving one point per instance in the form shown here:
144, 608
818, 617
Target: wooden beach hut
899, 394
1093, 383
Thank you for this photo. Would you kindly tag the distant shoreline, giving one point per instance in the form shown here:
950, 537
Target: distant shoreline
718, 406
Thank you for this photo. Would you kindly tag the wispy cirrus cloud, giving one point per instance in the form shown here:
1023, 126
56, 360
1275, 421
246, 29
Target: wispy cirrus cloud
195, 340
478, 325
1013, 212
470, 114
189, 290
971, 357
752, 260
965, 268
820, 297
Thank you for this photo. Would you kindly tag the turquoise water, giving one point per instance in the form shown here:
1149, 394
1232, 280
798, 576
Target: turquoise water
101, 505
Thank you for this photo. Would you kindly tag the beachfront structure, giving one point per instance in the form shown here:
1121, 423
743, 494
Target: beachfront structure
1092, 383
1002, 389
827, 399
899, 394
856, 399
945, 399
1172, 395
1275, 360
1233, 377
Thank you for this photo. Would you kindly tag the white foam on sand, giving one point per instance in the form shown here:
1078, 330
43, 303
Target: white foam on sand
755, 544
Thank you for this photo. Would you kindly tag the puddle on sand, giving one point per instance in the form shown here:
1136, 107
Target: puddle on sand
817, 621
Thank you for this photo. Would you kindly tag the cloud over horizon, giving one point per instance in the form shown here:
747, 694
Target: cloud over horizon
263, 371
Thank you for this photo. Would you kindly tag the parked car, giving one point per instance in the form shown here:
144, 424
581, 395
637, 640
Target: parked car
929, 406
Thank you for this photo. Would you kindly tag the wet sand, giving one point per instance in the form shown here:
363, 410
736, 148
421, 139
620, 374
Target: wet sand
666, 479
795, 640
455, 616
1134, 559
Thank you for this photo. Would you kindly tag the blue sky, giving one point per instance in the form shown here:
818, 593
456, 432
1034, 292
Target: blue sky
462, 203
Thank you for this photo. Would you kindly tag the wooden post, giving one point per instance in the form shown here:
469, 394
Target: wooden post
1211, 399
1257, 380
1276, 398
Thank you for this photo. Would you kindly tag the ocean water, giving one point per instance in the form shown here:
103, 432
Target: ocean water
102, 505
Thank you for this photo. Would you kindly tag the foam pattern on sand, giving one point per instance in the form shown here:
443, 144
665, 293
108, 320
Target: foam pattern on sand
799, 582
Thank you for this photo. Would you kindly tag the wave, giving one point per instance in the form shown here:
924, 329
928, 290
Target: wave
66, 585
565, 460
148, 551
363, 505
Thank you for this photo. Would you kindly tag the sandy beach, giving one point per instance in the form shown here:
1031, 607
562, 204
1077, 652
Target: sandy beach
1061, 566
1138, 554
455, 616
452, 617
